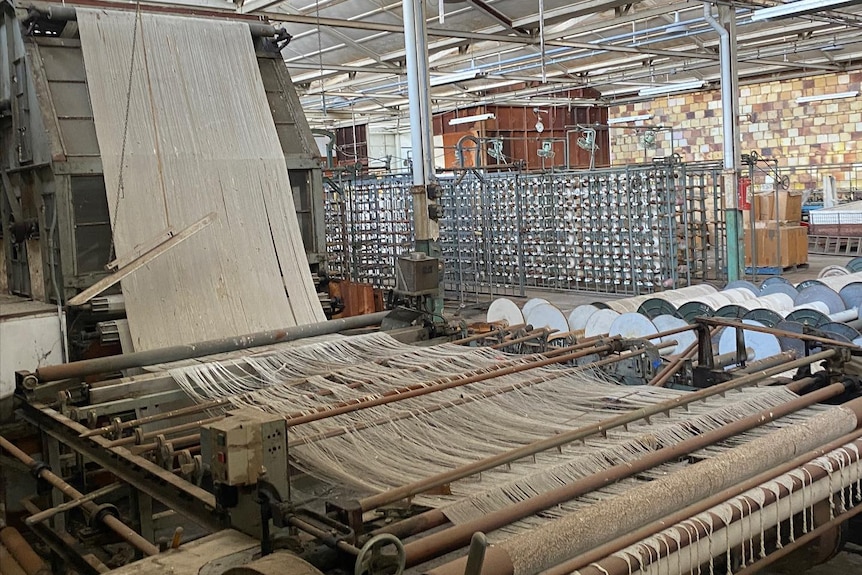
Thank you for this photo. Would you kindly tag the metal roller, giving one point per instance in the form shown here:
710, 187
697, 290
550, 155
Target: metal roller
579, 316
852, 294
504, 310
807, 283
549, 316
763, 344
793, 344
731, 311
840, 331
669, 322
832, 271
824, 294
744, 284
655, 307
689, 311
767, 317
838, 282
775, 280
633, 326
807, 316
774, 288
855, 265
531, 303
600, 322
676, 297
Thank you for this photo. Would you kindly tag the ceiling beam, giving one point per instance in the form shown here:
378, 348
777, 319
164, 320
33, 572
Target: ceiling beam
483, 6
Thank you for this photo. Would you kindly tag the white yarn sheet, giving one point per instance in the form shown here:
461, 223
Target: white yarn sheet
199, 138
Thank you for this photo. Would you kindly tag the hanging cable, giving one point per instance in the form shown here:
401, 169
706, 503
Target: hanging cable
120, 183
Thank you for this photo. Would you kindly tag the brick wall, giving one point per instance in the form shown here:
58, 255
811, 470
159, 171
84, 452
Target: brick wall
809, 140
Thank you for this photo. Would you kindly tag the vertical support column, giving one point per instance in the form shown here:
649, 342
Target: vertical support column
726, 29
145, 515
52, 448
425, 191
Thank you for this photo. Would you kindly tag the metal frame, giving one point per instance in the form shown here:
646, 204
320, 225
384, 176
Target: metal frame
618, 230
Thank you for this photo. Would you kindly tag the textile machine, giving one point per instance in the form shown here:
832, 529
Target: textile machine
328, 447
499, 452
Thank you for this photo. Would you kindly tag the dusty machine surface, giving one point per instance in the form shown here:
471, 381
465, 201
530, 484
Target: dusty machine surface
505, 451
55, 237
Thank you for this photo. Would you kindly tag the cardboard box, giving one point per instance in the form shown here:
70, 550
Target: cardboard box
779, 206
777, 245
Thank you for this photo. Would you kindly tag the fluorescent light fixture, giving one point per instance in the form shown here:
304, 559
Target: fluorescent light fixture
799, 8
456, 77
668, 88
820, 98
629, 119
471, 119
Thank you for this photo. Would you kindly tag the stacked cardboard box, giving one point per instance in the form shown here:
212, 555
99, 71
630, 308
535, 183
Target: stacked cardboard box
779, 240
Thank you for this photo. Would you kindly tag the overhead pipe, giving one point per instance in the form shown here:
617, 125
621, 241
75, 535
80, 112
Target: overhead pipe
187, 351
730, 174
64, 13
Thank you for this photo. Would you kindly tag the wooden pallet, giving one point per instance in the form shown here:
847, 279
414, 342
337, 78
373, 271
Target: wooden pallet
835, 246
774, 270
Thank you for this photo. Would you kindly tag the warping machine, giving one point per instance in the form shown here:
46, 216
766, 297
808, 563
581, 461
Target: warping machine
513, 449
56, 222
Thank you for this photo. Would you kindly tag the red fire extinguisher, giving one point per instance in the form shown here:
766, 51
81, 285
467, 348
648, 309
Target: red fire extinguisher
742, 192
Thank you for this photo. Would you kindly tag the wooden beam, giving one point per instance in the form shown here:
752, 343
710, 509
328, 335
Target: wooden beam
141, 261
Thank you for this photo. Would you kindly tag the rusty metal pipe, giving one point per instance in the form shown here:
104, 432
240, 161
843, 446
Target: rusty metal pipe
458, 536
8, 564
325, 536
191, 409
525, 338
777, 332
166, 431
21, 551
440, 384
111, 522
177, 442
433, 518
89, 558
110, 364
768, 362
71, 504
460, 401
405, 528
499, 332
599, 553
411, 489
661, 378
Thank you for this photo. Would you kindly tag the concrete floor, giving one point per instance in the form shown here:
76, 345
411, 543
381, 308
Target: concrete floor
846, 563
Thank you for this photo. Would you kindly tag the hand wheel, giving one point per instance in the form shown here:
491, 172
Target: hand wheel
373, 561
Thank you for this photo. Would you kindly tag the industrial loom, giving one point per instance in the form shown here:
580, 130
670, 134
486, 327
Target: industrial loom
307, 447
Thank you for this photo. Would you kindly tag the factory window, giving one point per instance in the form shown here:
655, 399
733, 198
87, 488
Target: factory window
92, 224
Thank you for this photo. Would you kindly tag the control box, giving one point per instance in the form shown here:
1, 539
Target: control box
243, 445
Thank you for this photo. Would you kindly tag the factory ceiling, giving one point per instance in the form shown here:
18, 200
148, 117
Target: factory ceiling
347, 56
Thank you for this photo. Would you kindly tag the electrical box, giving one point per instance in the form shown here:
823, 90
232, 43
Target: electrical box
244, 444
417, 274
